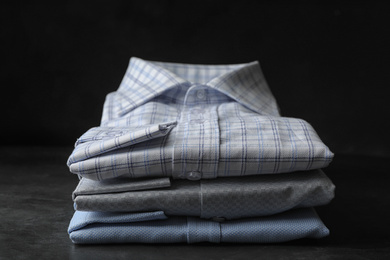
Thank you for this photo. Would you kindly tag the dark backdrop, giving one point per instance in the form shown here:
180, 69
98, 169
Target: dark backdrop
327, 64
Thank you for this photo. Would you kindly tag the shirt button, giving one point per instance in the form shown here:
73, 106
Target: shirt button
194, 175
190, 99
113, 133
219, 219
201, 94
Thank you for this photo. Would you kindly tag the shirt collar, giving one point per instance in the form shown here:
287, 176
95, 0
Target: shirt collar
245, 83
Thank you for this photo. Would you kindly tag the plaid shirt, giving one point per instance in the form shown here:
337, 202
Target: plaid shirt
193, 122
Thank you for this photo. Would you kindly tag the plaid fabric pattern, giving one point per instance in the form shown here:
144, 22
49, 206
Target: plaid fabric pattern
223, 121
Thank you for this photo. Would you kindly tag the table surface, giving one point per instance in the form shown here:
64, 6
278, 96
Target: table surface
36, 207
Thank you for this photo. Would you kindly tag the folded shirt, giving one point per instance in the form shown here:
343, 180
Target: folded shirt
155, 227
228, 198
195, 122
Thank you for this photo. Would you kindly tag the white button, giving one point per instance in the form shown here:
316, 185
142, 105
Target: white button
197, 121
115, 133
201, 94
197, 116
190, 99
219, 219
194, 175
196, 111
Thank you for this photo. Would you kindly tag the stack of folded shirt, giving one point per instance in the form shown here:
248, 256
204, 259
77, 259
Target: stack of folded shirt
197, 153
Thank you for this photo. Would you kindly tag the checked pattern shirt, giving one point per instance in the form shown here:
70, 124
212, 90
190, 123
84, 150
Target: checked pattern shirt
195, 122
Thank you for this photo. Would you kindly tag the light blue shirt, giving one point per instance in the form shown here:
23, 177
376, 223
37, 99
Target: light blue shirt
155, 227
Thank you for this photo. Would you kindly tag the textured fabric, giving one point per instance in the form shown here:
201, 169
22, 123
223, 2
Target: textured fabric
116, 185
229, 198
195, 122
97, 227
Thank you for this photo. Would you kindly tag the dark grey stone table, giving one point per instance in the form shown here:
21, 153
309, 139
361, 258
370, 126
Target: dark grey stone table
36, 206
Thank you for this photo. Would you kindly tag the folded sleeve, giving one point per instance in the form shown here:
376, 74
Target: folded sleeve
103, 140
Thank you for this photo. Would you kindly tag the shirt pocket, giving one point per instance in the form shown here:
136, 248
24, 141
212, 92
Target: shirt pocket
100, 140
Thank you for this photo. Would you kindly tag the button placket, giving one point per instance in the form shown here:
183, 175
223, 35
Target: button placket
200, 230
196, 147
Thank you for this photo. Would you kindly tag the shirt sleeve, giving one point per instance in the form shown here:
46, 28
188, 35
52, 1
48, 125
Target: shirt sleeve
100, 140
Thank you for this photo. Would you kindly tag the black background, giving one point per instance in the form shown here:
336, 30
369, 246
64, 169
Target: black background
327, 64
